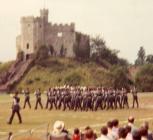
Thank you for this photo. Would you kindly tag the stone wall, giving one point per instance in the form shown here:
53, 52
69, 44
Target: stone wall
37, 31
61, 36
27, 35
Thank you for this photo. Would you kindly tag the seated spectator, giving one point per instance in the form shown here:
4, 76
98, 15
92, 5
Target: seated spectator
76, 135
10, 135
131, 123
85, 131
128, 131
104, 132
136, 135
146, 125
122, 133
59, 132
115, 126
144, 133
89, 134
111, 135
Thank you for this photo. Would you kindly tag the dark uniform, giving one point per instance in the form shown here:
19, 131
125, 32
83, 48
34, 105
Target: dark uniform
27, 98
48, 98
135, 97
125, 99
38, 99
15, 109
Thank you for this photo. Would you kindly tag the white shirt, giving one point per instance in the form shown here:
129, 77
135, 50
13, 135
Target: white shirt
103, 137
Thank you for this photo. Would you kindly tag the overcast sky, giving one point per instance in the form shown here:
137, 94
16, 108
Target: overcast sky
125, 25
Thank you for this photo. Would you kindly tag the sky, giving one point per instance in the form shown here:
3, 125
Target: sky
125, 25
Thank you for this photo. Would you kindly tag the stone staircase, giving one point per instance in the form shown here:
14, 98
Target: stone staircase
14, 74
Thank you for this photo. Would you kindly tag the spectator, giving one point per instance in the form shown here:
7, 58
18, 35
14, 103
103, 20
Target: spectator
115, 126
144, 133
76, 135
89, 134
136, 135
104, 132
129, 134
122, 133
131, 123
111, 135
59, 132
146, 125
10, 135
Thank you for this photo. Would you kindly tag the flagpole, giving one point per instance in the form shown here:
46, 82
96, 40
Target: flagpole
44, 4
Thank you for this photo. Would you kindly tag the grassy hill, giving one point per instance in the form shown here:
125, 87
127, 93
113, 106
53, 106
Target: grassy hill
60, 71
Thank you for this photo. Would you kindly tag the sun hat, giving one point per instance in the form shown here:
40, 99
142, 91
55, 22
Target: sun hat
58, 127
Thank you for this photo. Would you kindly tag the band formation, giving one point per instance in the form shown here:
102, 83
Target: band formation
77, 99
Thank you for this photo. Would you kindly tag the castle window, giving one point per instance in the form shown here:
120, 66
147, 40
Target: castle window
40, 26
59, 34
27, 46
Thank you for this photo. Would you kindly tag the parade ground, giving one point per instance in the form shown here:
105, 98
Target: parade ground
39, 119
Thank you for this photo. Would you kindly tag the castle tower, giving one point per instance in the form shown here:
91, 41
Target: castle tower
27, 35
44, 15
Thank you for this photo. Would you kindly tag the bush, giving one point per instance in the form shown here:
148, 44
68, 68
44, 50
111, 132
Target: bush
118, 77
29, 82
73, 79
144, 78
37, 79
81, 47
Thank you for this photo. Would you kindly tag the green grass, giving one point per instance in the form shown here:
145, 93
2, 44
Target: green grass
33, 119
61, 71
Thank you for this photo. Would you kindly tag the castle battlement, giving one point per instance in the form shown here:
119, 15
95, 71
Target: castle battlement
38, 31
63, 27
27, 19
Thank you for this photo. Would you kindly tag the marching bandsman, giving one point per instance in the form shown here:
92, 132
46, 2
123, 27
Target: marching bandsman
48, 94
15, 108
135, 97
27, 98
38, 99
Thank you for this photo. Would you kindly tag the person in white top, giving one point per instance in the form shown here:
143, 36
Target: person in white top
111, 135
122, 133
131, 123
129, 134
115, 126
104, 132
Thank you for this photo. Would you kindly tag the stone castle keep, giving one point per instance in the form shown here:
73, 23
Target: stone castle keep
38, 31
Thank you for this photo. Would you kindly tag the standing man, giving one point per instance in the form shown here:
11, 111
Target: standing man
48, 94
15, 108
38, 99
27, 98
135, 97
125, 98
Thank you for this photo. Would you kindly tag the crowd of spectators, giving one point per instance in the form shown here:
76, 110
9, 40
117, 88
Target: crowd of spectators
112, 130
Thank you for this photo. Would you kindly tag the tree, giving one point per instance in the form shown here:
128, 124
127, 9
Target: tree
81, 47
144, 78
101, 53
119, 77
97, 46
141, 57
73, 79
149, 59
